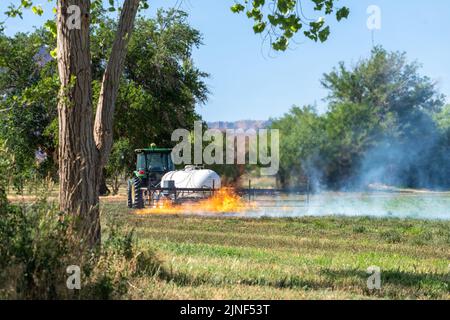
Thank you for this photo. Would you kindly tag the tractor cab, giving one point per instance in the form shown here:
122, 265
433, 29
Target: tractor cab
151, 164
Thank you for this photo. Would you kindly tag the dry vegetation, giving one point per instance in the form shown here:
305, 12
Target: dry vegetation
302, 258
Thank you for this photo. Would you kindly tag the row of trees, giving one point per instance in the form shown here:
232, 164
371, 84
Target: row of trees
148, 108
385, 123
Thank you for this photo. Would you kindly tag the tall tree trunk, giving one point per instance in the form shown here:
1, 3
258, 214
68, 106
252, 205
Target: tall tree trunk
84, 148
103, 128
78, 156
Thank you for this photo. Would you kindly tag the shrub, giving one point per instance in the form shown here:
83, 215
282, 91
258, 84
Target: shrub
37, 244
359, 229
391, 236
118, 164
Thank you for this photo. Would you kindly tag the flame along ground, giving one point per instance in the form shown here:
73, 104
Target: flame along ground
223, 201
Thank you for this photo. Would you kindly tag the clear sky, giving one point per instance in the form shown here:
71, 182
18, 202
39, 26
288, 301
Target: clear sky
248, 81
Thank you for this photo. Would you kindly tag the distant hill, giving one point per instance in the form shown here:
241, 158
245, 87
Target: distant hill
241, 124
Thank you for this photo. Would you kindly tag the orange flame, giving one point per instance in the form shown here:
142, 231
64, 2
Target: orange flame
223, 201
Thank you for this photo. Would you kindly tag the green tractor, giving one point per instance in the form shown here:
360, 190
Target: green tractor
151, 165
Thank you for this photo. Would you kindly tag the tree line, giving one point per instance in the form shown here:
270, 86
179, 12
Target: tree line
148, 107
385, 124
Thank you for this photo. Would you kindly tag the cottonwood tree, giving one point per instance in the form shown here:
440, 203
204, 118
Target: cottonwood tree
84, 144
384, 124
85, 141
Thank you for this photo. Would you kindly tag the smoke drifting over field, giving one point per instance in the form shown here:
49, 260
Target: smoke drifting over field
386, 124
420, 160
387, 129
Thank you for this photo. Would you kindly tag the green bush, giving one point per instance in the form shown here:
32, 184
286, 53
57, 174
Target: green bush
359, 229
391, 236
37, 244
121, 157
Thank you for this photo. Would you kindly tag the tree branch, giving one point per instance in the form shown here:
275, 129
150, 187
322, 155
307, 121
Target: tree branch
103, 127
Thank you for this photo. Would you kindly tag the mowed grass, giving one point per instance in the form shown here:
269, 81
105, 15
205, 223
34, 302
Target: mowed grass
304, 258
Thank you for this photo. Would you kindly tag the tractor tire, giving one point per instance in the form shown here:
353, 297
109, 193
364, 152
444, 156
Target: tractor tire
129, 194
138, 199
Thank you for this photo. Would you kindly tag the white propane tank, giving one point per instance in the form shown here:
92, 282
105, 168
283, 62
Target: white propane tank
192, 177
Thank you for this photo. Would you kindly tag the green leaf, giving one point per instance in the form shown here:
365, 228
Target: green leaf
258, 3
237, 8
273, 20
259, 27
54, 53
342, 13
37, 10
50, 26
281, 44
26, 3
324, 33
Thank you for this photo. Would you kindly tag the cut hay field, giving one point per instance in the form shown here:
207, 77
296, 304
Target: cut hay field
289, 258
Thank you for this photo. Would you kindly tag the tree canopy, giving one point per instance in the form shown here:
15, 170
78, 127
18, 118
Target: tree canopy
148, 108
385, 124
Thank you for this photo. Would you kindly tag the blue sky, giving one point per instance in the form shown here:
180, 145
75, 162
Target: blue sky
248, 81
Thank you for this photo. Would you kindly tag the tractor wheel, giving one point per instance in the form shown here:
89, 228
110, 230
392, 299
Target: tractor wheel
130, 194
138, 198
